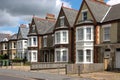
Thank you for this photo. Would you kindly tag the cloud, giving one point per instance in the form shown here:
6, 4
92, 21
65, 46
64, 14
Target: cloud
113, 2
14, 11
7, 32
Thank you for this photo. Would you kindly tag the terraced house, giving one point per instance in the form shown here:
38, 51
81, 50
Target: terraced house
87, 26
4, 38
22, 41
12, 46
64, 35
37, 29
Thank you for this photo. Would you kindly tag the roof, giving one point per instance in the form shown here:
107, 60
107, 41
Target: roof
13, 37
70, 15
23, 31
98, 9
4, 36
43, 25
113, 14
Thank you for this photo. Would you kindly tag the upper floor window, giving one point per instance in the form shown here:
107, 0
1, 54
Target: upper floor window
33, 28
62, 20
106, 33
84, 33
80, 34
84, 15
61, 37
34, 41
45, 41
14, 45
88, 33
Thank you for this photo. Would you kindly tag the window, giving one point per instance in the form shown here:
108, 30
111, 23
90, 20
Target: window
80, 56
14, 44
64, 55
62, 21
34, 56
106, 33
80, 33
45, 41
88, 55
88, 33
61, 55
64, 36
34, 41
58, 37
58, 55
33, 28
30, 42
61, 37
84, 15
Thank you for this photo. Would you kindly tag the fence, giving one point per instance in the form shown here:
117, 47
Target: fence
84, 68
39, 65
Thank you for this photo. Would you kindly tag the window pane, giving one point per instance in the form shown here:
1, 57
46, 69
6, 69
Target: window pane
45, 42
88, 55
80, 56
58, 37
62, 21
85, 15
64, 36
29, 41
58, 55
34, 56
80, 34
88, 33
64, 55
107, 33
34, 41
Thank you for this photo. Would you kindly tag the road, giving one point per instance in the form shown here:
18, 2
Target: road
3, 77
38, 75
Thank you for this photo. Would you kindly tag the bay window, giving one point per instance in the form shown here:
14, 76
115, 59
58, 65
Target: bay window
32, 41
84, 56
61, 55
61, 37
84, 33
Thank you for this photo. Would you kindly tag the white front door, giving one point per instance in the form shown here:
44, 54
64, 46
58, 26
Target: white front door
117, 59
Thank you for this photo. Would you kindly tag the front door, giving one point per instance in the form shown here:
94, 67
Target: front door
117, 59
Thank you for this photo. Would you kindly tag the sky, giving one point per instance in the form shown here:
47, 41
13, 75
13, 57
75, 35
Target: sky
16, 12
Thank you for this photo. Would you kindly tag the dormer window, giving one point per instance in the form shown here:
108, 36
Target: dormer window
62, 20
33, 28
84, 15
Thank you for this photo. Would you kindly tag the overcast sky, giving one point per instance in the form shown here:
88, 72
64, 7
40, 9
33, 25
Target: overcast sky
15, 12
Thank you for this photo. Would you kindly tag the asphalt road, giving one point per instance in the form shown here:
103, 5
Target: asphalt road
37, 75
2, 77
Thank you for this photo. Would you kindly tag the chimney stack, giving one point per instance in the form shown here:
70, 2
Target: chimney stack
50, 17
100, 0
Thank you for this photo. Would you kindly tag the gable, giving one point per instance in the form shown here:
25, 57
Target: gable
84, 8
19, 36
32, 27
60, 17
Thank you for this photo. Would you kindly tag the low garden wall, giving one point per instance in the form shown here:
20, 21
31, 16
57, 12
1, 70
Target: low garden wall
84, 68
39, 65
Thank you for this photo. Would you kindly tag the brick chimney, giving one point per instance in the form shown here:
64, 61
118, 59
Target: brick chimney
50, 17
22, 25
100, 0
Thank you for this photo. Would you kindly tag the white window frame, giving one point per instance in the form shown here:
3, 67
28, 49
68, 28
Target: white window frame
106, 26
84, 56
85, 33
86, 10
61, 54
32, 42
44, 42
62, 21
31, 55
61, 37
